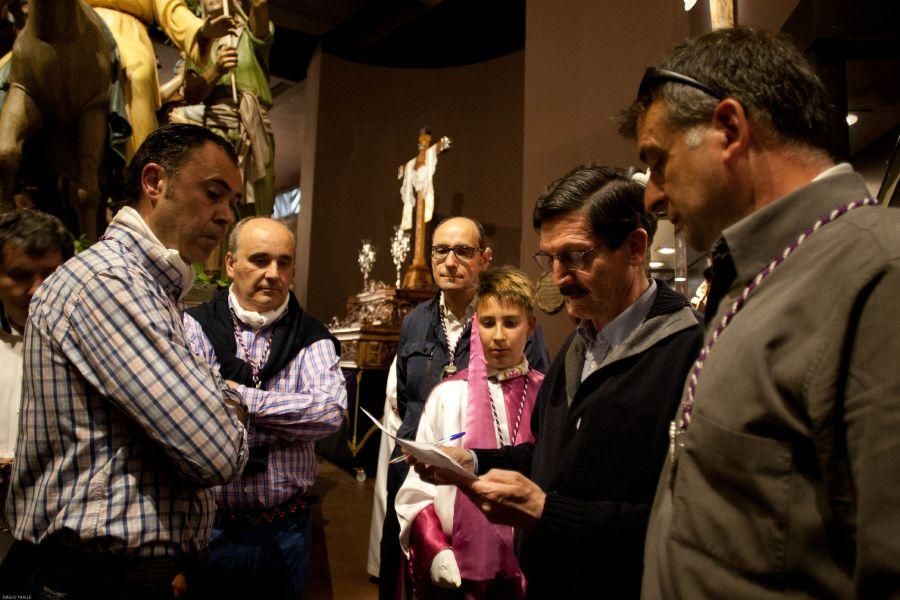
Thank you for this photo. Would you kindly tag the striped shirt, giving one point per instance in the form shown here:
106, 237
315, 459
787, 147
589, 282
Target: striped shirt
303, 402
598, 347
123, 430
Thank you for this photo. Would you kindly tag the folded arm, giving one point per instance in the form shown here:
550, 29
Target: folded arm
314, 408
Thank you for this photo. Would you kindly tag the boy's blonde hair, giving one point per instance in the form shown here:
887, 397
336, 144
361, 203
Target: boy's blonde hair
507, 285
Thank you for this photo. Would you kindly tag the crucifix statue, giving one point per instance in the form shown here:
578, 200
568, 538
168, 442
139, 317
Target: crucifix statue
417, 190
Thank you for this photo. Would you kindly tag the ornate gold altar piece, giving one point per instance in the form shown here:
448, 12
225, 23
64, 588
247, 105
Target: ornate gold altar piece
371, 328
368, 334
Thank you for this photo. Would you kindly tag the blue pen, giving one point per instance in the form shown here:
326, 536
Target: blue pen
450, 438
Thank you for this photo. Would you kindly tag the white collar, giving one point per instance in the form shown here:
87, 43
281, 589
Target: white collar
451, 318
130, 218
252, 318
510, 372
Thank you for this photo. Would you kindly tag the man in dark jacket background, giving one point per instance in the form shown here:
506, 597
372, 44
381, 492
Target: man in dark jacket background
434, 343
580, 496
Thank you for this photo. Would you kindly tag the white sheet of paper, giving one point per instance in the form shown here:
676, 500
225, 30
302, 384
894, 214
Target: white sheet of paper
423, 452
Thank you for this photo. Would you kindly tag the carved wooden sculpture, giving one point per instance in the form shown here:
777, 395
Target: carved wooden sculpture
60, 77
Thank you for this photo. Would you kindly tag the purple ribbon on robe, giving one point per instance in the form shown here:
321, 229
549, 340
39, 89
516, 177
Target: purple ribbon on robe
484, 551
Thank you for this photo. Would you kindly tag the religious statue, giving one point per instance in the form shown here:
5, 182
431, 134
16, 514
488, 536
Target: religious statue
128, 21
417, 175
230, 94
171, 92
60, 76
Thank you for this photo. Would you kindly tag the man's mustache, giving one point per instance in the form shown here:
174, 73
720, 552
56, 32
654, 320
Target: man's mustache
572, 290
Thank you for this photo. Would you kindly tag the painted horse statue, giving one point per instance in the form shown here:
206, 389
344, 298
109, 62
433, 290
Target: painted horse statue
60, 77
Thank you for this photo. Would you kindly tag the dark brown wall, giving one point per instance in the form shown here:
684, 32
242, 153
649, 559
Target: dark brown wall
583, 62
367, 120
764, 14
518, 122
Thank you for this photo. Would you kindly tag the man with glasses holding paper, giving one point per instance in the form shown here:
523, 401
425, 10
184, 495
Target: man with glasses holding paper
434, 344
579, 496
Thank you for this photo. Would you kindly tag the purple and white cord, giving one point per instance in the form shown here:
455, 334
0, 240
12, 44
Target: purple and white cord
515, 431
687, 404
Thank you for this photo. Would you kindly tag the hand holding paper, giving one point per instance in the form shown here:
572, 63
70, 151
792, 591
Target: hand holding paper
426, 453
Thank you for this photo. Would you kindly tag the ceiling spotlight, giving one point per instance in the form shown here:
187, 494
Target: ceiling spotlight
655, 264
852, 118
680, 279
666, 250
689, 4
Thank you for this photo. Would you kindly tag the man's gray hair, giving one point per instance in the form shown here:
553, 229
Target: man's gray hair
236, 231
763, 71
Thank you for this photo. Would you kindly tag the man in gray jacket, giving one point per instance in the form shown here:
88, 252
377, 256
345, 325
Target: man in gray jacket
784, 471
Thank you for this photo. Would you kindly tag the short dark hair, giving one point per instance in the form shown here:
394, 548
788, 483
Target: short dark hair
36, 232
762, 70
612, 202
482, 237
170, 146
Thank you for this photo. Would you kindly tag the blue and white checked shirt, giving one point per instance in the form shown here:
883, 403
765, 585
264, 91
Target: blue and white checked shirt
303, 402
123, 430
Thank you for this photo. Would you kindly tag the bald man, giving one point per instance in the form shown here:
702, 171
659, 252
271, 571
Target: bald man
284, 363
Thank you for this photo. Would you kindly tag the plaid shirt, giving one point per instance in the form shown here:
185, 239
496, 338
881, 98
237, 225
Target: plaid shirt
303, 402
123, 430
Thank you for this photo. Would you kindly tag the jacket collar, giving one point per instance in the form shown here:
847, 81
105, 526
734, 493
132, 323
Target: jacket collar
669, 315
757, 239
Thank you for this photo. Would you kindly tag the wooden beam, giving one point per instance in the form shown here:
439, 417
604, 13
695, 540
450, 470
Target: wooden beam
721, 14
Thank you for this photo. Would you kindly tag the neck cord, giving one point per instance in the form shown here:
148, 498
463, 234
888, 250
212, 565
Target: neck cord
515, 431
450, 369
679, 426
255, 366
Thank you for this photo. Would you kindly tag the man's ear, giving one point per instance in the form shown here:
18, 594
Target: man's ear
153, 183
638, 242
532, 324
486, 255
732, 123
229, 265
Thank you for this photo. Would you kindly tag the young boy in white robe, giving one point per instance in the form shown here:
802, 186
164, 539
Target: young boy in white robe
448, 541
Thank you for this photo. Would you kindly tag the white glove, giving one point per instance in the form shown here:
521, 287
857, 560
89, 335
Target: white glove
445, 571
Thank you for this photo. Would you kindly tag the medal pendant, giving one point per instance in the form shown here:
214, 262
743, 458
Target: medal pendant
675, 447
673, 433
448, 371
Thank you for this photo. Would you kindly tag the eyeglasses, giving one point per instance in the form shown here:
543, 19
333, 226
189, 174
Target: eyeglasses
440, 252
570, 261
654, 78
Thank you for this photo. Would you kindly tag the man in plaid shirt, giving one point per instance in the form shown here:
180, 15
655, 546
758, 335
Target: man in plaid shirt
285, 364
123, 429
